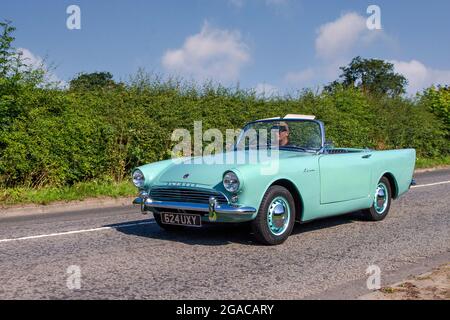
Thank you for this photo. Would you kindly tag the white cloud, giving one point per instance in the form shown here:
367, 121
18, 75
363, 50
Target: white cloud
335, 44
340, 40
266, 90
30, 59
211, 54
36, 62
335, 39
419, 75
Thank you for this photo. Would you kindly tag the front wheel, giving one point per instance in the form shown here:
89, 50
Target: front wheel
276, 216
382, 198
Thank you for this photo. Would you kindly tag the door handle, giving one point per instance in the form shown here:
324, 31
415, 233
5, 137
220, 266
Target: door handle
367, 156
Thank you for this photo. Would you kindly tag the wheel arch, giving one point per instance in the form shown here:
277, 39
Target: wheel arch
292, 188
393, 183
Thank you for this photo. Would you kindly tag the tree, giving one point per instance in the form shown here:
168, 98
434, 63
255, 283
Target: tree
10, 60
372, 76
91, 81
14, 68
10, 64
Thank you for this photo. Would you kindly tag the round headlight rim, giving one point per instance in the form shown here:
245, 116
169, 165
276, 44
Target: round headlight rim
141, 184
239, 183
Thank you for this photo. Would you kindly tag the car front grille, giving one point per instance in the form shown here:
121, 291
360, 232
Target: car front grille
186, 195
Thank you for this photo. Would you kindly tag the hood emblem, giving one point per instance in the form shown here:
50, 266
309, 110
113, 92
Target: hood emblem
186, 176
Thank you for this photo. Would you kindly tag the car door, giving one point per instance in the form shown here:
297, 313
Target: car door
344, 177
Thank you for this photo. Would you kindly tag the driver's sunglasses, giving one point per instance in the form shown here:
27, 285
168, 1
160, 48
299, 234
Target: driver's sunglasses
280, 128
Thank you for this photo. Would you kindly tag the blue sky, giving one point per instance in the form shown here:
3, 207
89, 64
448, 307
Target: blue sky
271, 45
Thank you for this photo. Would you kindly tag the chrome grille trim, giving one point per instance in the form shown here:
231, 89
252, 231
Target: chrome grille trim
184, 194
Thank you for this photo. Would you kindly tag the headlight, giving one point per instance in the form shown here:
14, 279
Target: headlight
138, 178
231, 182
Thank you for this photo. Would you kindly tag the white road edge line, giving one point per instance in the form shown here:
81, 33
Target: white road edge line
141, 223
77, 231
430, 184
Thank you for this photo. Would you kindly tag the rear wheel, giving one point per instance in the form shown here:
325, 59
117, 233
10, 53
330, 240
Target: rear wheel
276, 216
382, 198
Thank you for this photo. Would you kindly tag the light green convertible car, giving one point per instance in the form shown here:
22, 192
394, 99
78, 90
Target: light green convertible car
274, 180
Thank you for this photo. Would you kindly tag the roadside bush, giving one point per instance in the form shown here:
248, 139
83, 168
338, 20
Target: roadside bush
54, 137
97, 130
437, 100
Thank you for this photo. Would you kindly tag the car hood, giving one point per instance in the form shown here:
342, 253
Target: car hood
208, 171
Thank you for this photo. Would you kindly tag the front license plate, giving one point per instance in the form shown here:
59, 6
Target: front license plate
182, 219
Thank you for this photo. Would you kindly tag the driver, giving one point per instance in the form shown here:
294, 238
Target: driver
281, 133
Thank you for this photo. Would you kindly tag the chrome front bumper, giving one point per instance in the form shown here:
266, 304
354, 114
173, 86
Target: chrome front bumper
216, 212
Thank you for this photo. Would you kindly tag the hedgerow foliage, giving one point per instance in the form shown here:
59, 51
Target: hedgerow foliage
57, 137
437, 100
52, 137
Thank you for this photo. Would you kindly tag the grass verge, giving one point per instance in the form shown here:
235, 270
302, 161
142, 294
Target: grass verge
79, 191
95, 189
423, 163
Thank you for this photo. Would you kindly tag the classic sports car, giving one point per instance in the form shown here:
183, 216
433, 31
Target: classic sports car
303, 179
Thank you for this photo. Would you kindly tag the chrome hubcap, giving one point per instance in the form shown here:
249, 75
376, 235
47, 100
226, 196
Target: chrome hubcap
381, 198
278, 216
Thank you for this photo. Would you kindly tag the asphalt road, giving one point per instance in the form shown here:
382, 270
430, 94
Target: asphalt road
124, 255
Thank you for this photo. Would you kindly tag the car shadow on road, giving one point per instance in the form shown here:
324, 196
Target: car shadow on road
208, 235
223, 234
324, 223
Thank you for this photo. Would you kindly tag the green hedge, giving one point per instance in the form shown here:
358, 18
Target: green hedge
52, 137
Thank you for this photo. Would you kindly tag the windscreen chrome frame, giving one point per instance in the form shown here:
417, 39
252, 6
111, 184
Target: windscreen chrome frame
320, 123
